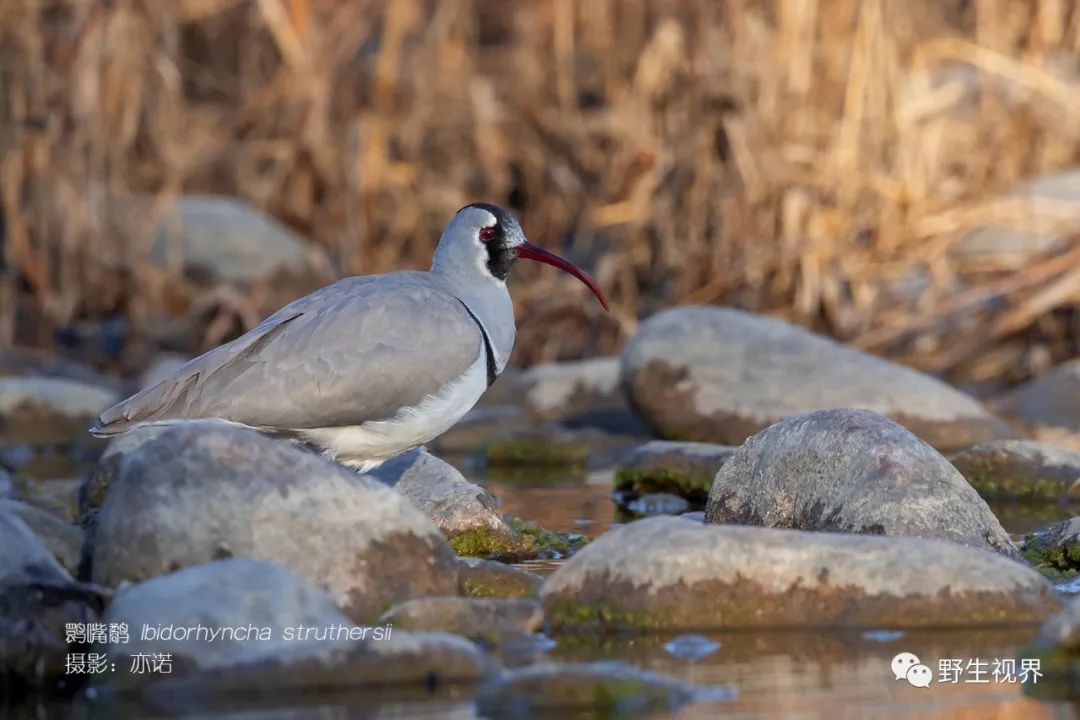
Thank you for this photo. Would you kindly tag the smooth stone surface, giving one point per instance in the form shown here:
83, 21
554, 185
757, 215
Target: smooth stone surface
227, 238
581, 393
681, 468
38, 599
851, 471
609, 689
456, 506
477, 618
482, 578
294, 636
204, 491
63, 540
480, 427
1051, 399
1021, 470
674, 574
720, 375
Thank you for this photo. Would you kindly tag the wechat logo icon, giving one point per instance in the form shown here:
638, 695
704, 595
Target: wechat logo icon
907, 666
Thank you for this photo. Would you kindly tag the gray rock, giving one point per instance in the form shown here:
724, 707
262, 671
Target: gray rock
720, 375
204, 491
1053, 399
228, 239
476, 618
49, 409
492, 579
673, 574
62, 539
606, 689
92, 493
456, 506
851, 471
659, 504
28, 362
37, 600
580, 393
263, 625
681, 468
1021, 470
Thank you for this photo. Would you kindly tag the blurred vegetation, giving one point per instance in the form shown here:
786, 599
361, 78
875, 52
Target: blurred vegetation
821, 161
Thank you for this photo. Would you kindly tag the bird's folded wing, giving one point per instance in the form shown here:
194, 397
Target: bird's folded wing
358, 350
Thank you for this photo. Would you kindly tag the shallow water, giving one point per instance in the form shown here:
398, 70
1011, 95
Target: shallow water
778, 674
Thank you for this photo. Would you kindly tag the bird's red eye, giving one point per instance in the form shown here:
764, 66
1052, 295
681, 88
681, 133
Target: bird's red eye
487, 234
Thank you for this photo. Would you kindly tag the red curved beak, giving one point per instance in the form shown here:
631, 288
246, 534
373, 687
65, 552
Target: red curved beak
530, 252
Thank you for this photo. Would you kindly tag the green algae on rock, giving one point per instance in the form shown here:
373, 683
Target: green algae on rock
680, 468
673, 574
481, 578
1055, 550
528, 542
1021, 470
532, 448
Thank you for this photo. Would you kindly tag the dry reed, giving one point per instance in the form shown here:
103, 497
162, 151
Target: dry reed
821, 161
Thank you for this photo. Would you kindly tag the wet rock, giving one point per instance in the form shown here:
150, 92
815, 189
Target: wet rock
528, 542
1052, 399
1021, 470
59, 497
851, 471
226, 238
491, 579
720, 375
681, 468
658, 504
669, 573
583, 393
458, 507
484, 619
1055, 550
480, 427
49, 409
203, 491
37, 600
608, 689
265, 625
62, 539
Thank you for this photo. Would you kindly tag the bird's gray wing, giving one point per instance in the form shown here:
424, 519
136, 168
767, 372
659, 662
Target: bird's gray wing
355, 351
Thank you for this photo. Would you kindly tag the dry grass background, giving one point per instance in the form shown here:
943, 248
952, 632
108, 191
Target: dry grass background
818, 160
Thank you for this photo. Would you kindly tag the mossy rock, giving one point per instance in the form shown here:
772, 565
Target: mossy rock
480, 578
529, 542
1021, 470
679, 468
538, 449
1055, 551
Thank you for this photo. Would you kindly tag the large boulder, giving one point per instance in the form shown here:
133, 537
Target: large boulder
204, 491
62, 539
482, 619
720, 375
38, 600
1052, 399
851, 471
579, 393
673, 574
229, 625
1021, 470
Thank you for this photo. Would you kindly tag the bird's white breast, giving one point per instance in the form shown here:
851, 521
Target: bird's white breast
366, 446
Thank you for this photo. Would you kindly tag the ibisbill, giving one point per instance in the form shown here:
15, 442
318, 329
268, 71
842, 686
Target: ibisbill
369, 366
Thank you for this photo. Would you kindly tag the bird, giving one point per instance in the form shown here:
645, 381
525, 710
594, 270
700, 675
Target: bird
367, 367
